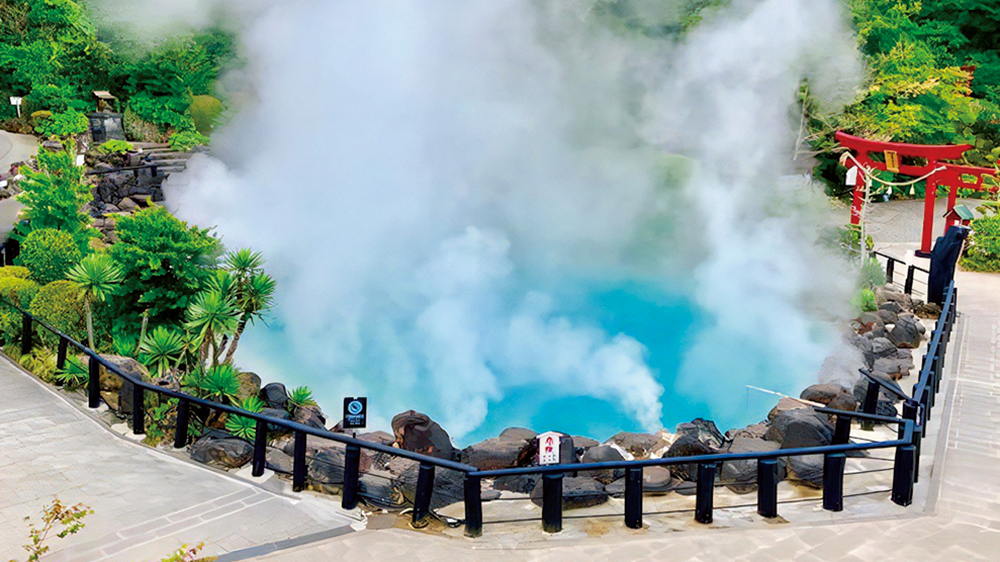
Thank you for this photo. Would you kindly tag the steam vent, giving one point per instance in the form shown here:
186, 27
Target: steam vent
493, 281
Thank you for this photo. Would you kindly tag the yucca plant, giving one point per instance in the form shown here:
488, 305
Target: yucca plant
161, 348
244, 427
212, 315
96, 276
123, 345
73, 374
219, 383
301, 397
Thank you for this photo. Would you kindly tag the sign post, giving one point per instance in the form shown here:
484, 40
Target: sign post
355, 412
16, 102
548, 448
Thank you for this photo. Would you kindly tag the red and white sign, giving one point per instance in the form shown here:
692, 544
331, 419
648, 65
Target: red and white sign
548, 448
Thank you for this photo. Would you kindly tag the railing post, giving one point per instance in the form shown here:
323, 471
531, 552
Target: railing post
93, 383
552, 485
473, 506
908, 286
890, 267
259, 449
833, 481
352, 471
183, 416
842, 431
138, 409
633, 497
299, 463
902, 475
925, 401
425, 488
25, 334
61, 353
870, 405
705, 492
767, 487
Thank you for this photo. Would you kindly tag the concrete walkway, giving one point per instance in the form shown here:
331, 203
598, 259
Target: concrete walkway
15, 148
961, 521
147, 503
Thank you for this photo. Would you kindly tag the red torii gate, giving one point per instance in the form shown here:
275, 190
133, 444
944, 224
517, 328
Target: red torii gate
953, 175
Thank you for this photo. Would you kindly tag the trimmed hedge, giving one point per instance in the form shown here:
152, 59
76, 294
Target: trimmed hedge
60, 304
20, 293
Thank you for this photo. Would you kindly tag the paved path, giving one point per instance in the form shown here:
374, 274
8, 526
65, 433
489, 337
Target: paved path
15, 148
962, 525
147, 503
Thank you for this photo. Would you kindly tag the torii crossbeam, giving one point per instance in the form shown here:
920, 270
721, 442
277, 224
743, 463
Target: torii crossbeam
900, 158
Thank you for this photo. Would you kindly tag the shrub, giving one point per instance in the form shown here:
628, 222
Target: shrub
139, 129
17, 292
983, 251
74, 374
220, 383
301, 397
186, 140
15, 271
54, 197
864, 301
66, 124
49, 254
164, 262
61, 305
871, 274
115, 146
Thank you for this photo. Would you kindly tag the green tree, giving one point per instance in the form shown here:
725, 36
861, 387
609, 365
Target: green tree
53, 198
212, 316
165, 263
160, 349
97, 277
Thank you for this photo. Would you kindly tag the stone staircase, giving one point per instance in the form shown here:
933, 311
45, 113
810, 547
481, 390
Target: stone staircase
166, 159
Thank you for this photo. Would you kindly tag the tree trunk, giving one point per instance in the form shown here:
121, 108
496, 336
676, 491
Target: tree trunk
236, 339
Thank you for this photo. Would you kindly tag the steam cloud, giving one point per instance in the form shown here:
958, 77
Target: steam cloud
438, 185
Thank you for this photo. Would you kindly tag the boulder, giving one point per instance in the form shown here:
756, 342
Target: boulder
522, 483
380, 437
893, 367
822, 393
906, 333
927, 310
887, 316
112, 382
864, 344
275, 396
494, 453
311, 416
870, 319
806, 470
910, 317
656, 480
603, 453
800, 428
419, 433
699, 437
757, 430
639, 445
887, 294
449, 486
785, 404
578, 492
891, 306
326, 466
377, 488
279, 461
249, 386
581, 442
518, 433
221, 449
127, 204
276, 413
741, 476
883, 347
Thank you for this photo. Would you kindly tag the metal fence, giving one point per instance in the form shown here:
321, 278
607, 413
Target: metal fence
911, 427
913, 281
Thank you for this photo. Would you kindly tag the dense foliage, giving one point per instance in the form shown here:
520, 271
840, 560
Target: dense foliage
983, 253
49, 254
54, 196
934, 78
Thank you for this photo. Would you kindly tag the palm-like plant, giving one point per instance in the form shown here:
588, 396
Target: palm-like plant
301, 397
96, 276
244, 427
219, 383
160, 348
256, 298
212, 315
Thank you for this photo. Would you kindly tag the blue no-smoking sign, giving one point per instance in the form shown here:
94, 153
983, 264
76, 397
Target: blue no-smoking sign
355, 412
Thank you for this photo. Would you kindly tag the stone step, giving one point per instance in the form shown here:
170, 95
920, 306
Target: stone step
145, 145
168, 157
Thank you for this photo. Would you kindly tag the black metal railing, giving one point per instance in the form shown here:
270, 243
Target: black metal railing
911, 427
910, 281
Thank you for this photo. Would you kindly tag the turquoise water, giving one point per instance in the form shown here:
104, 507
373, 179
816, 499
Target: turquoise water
664, 323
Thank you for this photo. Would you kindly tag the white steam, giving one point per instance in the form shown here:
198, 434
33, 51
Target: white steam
436, 185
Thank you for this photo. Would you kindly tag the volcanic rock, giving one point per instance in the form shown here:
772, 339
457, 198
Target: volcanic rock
578, 492
603, 453
275, 396
221, 449
419, 433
